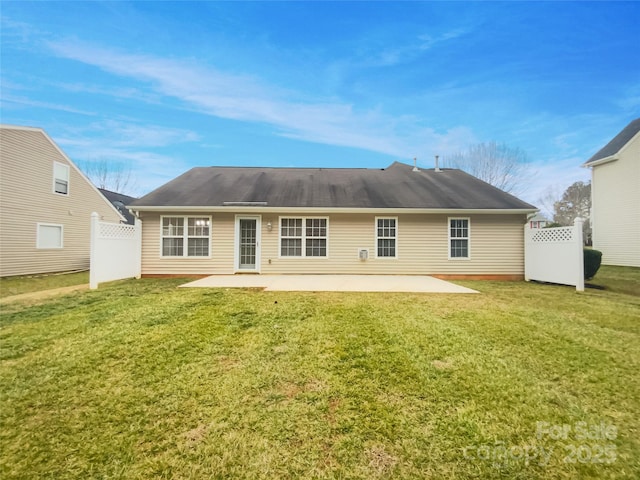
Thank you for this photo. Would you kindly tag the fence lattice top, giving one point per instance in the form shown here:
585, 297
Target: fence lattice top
558, 234
116, 231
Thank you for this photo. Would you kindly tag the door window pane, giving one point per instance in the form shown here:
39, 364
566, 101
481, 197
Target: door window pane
248, 235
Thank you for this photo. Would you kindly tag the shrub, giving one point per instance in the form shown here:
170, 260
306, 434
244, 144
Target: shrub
592, 259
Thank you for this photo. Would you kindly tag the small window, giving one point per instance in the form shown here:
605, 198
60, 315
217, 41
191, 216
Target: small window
186, 236
386, 237
458, 238
49, 236
296, 241
60, 178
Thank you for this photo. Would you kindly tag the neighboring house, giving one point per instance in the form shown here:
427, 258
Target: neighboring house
225, 220
538, 221
120, 201
615, 198
45, 206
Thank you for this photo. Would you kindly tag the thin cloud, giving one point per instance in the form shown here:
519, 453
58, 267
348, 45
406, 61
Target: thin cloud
630, 101
244, 98
147, 135
117, 133
47, 105
149, 169
388, 57
127, 93
14, 31
130, 145
429, 41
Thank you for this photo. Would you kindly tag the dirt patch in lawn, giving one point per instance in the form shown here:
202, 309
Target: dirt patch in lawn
43, 294
380, 461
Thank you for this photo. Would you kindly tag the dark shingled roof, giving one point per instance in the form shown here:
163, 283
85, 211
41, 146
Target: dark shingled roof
397, 186
120, 201
617, 143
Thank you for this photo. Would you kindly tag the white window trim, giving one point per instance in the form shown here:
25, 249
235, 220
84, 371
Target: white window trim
41, 224
467, 238
185, 237
53, 187
375, 225
303, 237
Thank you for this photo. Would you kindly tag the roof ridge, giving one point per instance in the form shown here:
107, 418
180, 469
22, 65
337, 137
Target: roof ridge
254, 167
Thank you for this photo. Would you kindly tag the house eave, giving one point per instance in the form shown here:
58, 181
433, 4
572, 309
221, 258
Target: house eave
601, 161
312, 210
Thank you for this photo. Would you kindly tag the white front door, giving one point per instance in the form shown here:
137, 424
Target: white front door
247, 256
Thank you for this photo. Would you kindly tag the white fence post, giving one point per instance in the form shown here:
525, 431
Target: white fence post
138, 237
93, 274
577, 225
527, 253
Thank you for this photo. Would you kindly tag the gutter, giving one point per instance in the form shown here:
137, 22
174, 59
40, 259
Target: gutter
384, 211
601, 161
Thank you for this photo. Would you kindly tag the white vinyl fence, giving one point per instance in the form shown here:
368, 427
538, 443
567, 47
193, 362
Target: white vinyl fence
116, 251
555, 255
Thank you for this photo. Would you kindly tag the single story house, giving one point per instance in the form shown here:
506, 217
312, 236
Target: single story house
45, 206
395, 220
615, 198
538, 221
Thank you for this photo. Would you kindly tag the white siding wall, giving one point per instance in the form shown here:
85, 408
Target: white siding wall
616, 208
497, 247
27, 198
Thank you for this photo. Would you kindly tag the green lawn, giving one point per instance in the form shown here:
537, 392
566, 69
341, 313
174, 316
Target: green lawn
140, 379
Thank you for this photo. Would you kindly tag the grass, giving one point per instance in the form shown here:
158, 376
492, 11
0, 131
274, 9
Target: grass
141, 380
10, 286
618, 279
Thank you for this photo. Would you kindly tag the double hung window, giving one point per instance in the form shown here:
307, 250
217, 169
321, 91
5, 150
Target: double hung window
458, 238
386, 237
303, 237
186, 236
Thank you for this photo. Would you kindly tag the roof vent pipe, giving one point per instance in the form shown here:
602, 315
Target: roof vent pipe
415, 164
437, 166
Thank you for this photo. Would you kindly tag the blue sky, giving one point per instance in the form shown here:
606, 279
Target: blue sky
164, 86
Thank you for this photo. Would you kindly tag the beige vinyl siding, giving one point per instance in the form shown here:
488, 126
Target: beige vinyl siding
222, 231
27, 198
496, 247
616, 207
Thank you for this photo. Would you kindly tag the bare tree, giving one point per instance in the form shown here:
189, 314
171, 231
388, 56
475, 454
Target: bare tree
504, 167
548, 200
575, 202
113, 176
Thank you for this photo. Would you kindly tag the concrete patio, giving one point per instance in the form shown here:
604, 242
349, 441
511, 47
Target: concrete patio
333, 283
